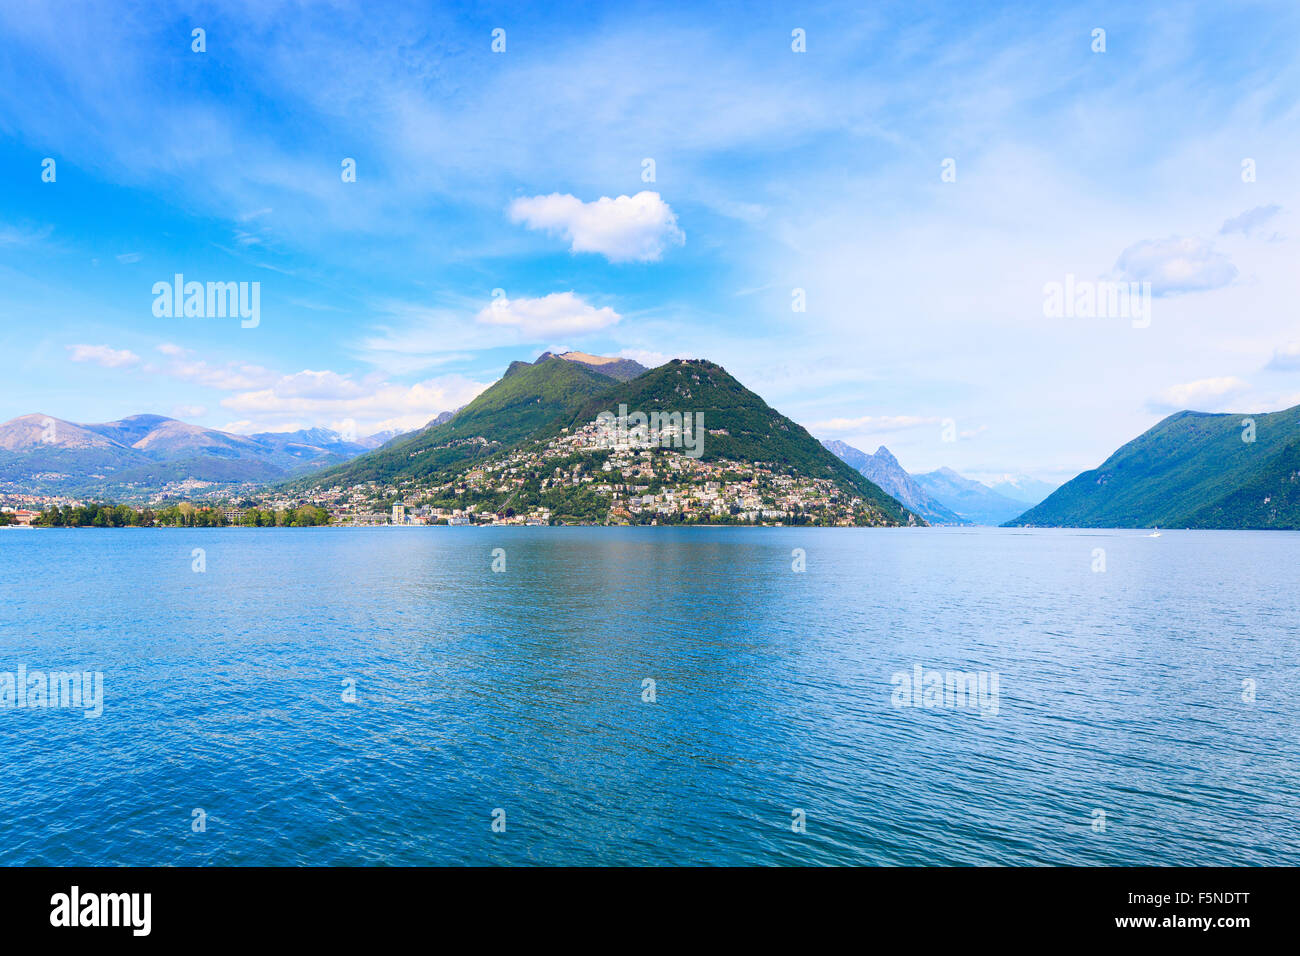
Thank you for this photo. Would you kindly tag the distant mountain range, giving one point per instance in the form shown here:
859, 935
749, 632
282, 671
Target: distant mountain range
942, 496
1191, 470
973, 500
144, 455
883, 469
1022, 488
534, 404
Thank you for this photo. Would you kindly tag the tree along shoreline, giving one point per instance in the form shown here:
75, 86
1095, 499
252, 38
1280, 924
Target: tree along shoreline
182, 515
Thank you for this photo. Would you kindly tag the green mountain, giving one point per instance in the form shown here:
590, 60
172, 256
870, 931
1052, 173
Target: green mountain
738, 426
527, 397
1192, 470
530, 447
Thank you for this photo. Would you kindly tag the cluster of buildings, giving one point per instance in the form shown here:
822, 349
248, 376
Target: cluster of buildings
23, 509
367, 506
644, 476
21, 517
404, 514
581, 476
651, 476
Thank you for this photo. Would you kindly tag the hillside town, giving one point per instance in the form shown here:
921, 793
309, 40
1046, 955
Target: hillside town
581, 476
587, 475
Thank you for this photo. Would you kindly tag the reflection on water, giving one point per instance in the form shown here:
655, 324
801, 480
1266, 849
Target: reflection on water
1120, 691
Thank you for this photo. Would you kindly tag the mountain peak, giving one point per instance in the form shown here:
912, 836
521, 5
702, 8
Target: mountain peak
739, 426
883, 469
38, 432
527, 396
619, 369
140, 455
586, 358
145, 418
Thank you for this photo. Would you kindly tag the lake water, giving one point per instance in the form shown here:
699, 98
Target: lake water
522, 691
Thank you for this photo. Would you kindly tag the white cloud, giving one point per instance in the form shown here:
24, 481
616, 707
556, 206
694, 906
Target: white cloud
650, 359
269, 401
1176, 265
1206, 394
102, 355
629, 228
722, 128
1250, 220
333, 398
1285, 359
560, 313
422, 337
231, 377
319, 385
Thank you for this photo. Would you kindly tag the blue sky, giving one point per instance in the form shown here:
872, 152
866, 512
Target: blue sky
522, 171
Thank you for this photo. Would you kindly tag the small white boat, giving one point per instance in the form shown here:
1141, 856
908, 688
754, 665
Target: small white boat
1154, 534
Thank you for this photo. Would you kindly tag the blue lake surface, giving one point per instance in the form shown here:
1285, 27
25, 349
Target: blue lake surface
1120, 691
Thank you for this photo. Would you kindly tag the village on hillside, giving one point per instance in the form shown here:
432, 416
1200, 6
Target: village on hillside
578, 477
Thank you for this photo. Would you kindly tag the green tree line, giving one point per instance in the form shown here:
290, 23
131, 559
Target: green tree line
182, 515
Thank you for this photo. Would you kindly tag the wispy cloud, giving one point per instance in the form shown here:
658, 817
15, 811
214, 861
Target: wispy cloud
227, 376
23, 236
413, 338
1249, 221
103, 355
1176, 265
1202, 395
818, 171
335, 399
1285, 359
267, 400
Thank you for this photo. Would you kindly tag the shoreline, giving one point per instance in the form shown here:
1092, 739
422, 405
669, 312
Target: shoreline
1143, 532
